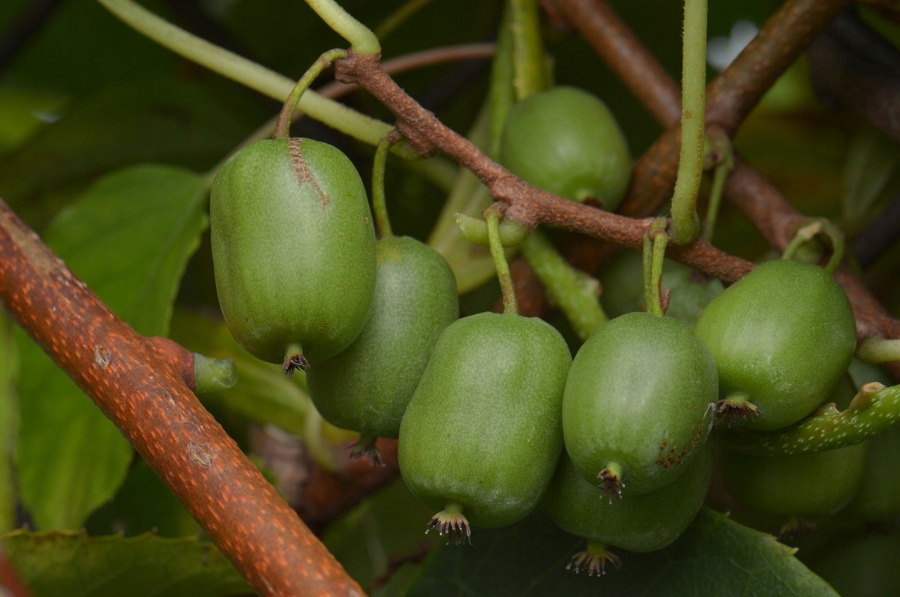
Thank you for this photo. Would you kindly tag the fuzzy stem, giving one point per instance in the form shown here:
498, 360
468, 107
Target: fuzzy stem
874, 409
721, 146
510, 305
379, 203
654, 253
685, 223
212, 374
283, 125
572, 290
361, 38
816, 227
875, 349
527, 48
246, 72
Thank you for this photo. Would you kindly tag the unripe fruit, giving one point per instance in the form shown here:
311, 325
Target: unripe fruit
782, 336
366, 388
293, 248
640, 523
795, 485
565, 140
481, 437
638, 402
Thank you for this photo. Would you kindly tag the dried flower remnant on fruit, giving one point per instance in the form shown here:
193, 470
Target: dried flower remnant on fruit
610, 483
593, 559
294, 362
452, 523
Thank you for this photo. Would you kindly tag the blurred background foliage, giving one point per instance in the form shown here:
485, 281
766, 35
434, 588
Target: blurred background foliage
83, 96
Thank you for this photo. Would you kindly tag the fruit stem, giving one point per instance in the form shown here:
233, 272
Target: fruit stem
876, 349
593, 559
523, 24
572, 290
212, 374
283, 125
874, 409
685, 223
654, 254
815, 227
723, 151
246, 72
361, 38
510, 305
451, 522
379, 203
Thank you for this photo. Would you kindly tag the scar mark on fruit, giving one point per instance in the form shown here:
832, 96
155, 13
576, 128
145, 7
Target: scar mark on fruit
672, 456
303, 172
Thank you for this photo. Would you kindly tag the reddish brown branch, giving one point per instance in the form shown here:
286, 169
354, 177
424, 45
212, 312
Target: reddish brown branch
732, 95
786, 35
139, 383
648, 81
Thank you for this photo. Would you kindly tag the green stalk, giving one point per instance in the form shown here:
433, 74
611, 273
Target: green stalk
379, 203
685, 222
283, 125
815, 227
873, 410
510, 305
574, 292
524, 25
876, 350
246, 72
721, 145
361, 38
655, 242
211, 374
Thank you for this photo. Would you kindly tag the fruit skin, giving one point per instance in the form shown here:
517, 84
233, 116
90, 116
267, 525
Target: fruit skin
783, 334
640, 523
366, 388
623, 290
483, 427
640, 394
796, 485
566, 141
293, 248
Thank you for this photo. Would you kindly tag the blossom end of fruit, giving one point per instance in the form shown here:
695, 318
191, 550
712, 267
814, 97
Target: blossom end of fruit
452, 523
593, 560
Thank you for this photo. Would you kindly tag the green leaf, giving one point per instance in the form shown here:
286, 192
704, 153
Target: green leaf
262, 393
715, 556
152, 120
129, 238
77, 565
9, 410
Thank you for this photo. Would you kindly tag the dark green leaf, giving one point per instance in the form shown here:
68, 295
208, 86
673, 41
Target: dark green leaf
128, 238
715, 556
9, 406
77, 565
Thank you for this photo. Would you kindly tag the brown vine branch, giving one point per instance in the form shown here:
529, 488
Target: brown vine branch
142, 385
731, 97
